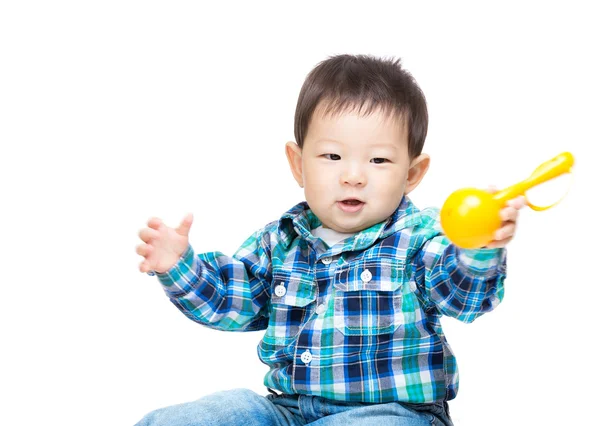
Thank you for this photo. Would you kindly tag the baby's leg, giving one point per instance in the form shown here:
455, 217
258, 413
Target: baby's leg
229, 408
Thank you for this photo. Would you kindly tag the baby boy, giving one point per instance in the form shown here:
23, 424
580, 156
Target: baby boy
349, 285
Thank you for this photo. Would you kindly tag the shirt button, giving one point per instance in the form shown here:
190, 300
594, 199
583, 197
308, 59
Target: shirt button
326, 260
306, 357
280, 290
366, 276
320, 309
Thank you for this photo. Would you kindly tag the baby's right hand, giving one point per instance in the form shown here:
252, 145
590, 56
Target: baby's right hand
163, 245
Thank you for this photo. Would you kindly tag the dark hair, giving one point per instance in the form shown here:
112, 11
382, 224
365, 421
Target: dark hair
363, 83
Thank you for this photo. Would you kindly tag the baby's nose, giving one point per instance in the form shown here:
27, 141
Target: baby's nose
354, 176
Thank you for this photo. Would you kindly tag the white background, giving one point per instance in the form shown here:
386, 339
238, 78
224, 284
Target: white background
115, 111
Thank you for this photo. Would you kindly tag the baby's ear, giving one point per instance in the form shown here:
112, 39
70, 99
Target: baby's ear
416, 172
294, 156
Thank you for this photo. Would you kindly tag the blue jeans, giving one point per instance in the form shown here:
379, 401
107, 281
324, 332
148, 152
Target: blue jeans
244, 407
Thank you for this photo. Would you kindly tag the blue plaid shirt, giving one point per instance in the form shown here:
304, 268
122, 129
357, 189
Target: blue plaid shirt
358, 321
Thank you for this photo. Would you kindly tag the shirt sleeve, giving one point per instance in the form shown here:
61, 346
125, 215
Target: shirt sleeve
222, 292
460, 283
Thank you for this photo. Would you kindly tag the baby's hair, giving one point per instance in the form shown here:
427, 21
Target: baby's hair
363, 83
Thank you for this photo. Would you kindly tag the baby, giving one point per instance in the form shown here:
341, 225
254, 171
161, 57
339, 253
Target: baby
349, 285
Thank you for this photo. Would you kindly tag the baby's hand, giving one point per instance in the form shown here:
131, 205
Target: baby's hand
509, 215
163, 245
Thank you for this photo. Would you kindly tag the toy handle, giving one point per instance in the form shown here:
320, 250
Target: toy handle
542, 208
560, 164
557, 166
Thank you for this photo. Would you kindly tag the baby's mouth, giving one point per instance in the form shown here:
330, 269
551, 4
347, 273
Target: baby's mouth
350, 205
352, 202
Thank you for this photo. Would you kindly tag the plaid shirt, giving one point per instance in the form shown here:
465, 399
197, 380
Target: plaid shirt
358, 321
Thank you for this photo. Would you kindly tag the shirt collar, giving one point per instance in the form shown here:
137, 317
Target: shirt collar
299, 220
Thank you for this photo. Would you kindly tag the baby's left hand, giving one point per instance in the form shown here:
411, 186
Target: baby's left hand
509, 215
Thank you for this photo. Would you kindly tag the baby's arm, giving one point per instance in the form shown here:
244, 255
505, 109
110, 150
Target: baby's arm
227, 293
465, 283
460, 283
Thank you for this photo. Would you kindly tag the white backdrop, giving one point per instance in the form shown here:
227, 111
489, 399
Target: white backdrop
112, 112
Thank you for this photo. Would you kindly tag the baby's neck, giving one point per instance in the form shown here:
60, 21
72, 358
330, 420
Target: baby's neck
331, 236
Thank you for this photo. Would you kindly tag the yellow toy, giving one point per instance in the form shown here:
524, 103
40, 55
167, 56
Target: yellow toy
470, 216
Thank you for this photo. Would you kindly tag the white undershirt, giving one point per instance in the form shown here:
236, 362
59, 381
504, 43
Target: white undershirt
330, 236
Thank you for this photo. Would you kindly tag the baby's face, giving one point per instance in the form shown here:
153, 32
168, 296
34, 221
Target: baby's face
354, 168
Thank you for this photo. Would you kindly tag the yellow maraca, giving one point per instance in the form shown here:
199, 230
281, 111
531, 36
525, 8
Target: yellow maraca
470, 216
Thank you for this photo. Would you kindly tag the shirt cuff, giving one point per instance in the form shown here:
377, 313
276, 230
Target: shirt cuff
181, 273
483, 261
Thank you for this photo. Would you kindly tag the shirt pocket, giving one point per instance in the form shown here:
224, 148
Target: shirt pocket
368, 298
291, 293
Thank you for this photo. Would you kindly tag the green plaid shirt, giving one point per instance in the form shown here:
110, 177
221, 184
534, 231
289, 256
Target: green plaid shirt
358, 321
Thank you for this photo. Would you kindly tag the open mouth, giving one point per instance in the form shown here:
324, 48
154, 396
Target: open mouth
352, 202
351, 205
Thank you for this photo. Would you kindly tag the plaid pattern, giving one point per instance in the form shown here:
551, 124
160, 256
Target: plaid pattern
358, 321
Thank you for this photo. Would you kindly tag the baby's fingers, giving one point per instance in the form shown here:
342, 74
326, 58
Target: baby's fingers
517, 203
503, 236
145, 267
148, 234
143, 249
498, 244
506, 232
511, 212
154, 223
186, 224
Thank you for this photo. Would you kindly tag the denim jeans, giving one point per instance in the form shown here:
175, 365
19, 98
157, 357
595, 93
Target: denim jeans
242, 407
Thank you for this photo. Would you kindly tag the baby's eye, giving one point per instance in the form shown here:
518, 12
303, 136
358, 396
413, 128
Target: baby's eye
379, 160
333, 157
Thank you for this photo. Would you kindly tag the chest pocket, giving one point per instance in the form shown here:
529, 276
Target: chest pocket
368, 298
291, 293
